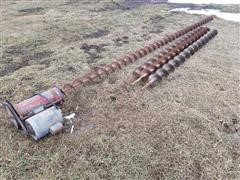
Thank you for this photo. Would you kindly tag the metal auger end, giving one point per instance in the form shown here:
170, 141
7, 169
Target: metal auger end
148, 84
137, 80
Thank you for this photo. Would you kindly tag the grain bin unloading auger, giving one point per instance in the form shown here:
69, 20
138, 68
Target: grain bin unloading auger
41, 114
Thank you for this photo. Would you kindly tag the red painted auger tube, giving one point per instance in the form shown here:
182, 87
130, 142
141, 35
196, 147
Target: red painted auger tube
48, 98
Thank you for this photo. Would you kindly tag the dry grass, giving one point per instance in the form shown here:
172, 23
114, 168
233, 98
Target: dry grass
184, 128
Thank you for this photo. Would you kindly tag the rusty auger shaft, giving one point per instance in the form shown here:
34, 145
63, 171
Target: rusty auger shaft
41, 113
169, 67
131, 57
163, 57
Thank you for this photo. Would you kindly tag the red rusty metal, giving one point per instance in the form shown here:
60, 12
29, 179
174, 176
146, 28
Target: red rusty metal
152, 64
131, 57
179, 59
37, 114
47, 98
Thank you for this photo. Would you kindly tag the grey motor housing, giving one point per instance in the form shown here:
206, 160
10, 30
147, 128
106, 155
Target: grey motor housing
45, 122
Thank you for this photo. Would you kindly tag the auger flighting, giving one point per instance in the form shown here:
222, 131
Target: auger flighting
152, 64
169, 67
131, 57
41, 114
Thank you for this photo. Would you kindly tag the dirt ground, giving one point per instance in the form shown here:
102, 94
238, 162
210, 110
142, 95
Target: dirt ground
186, 127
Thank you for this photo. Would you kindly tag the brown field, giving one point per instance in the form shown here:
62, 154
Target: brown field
186, 127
